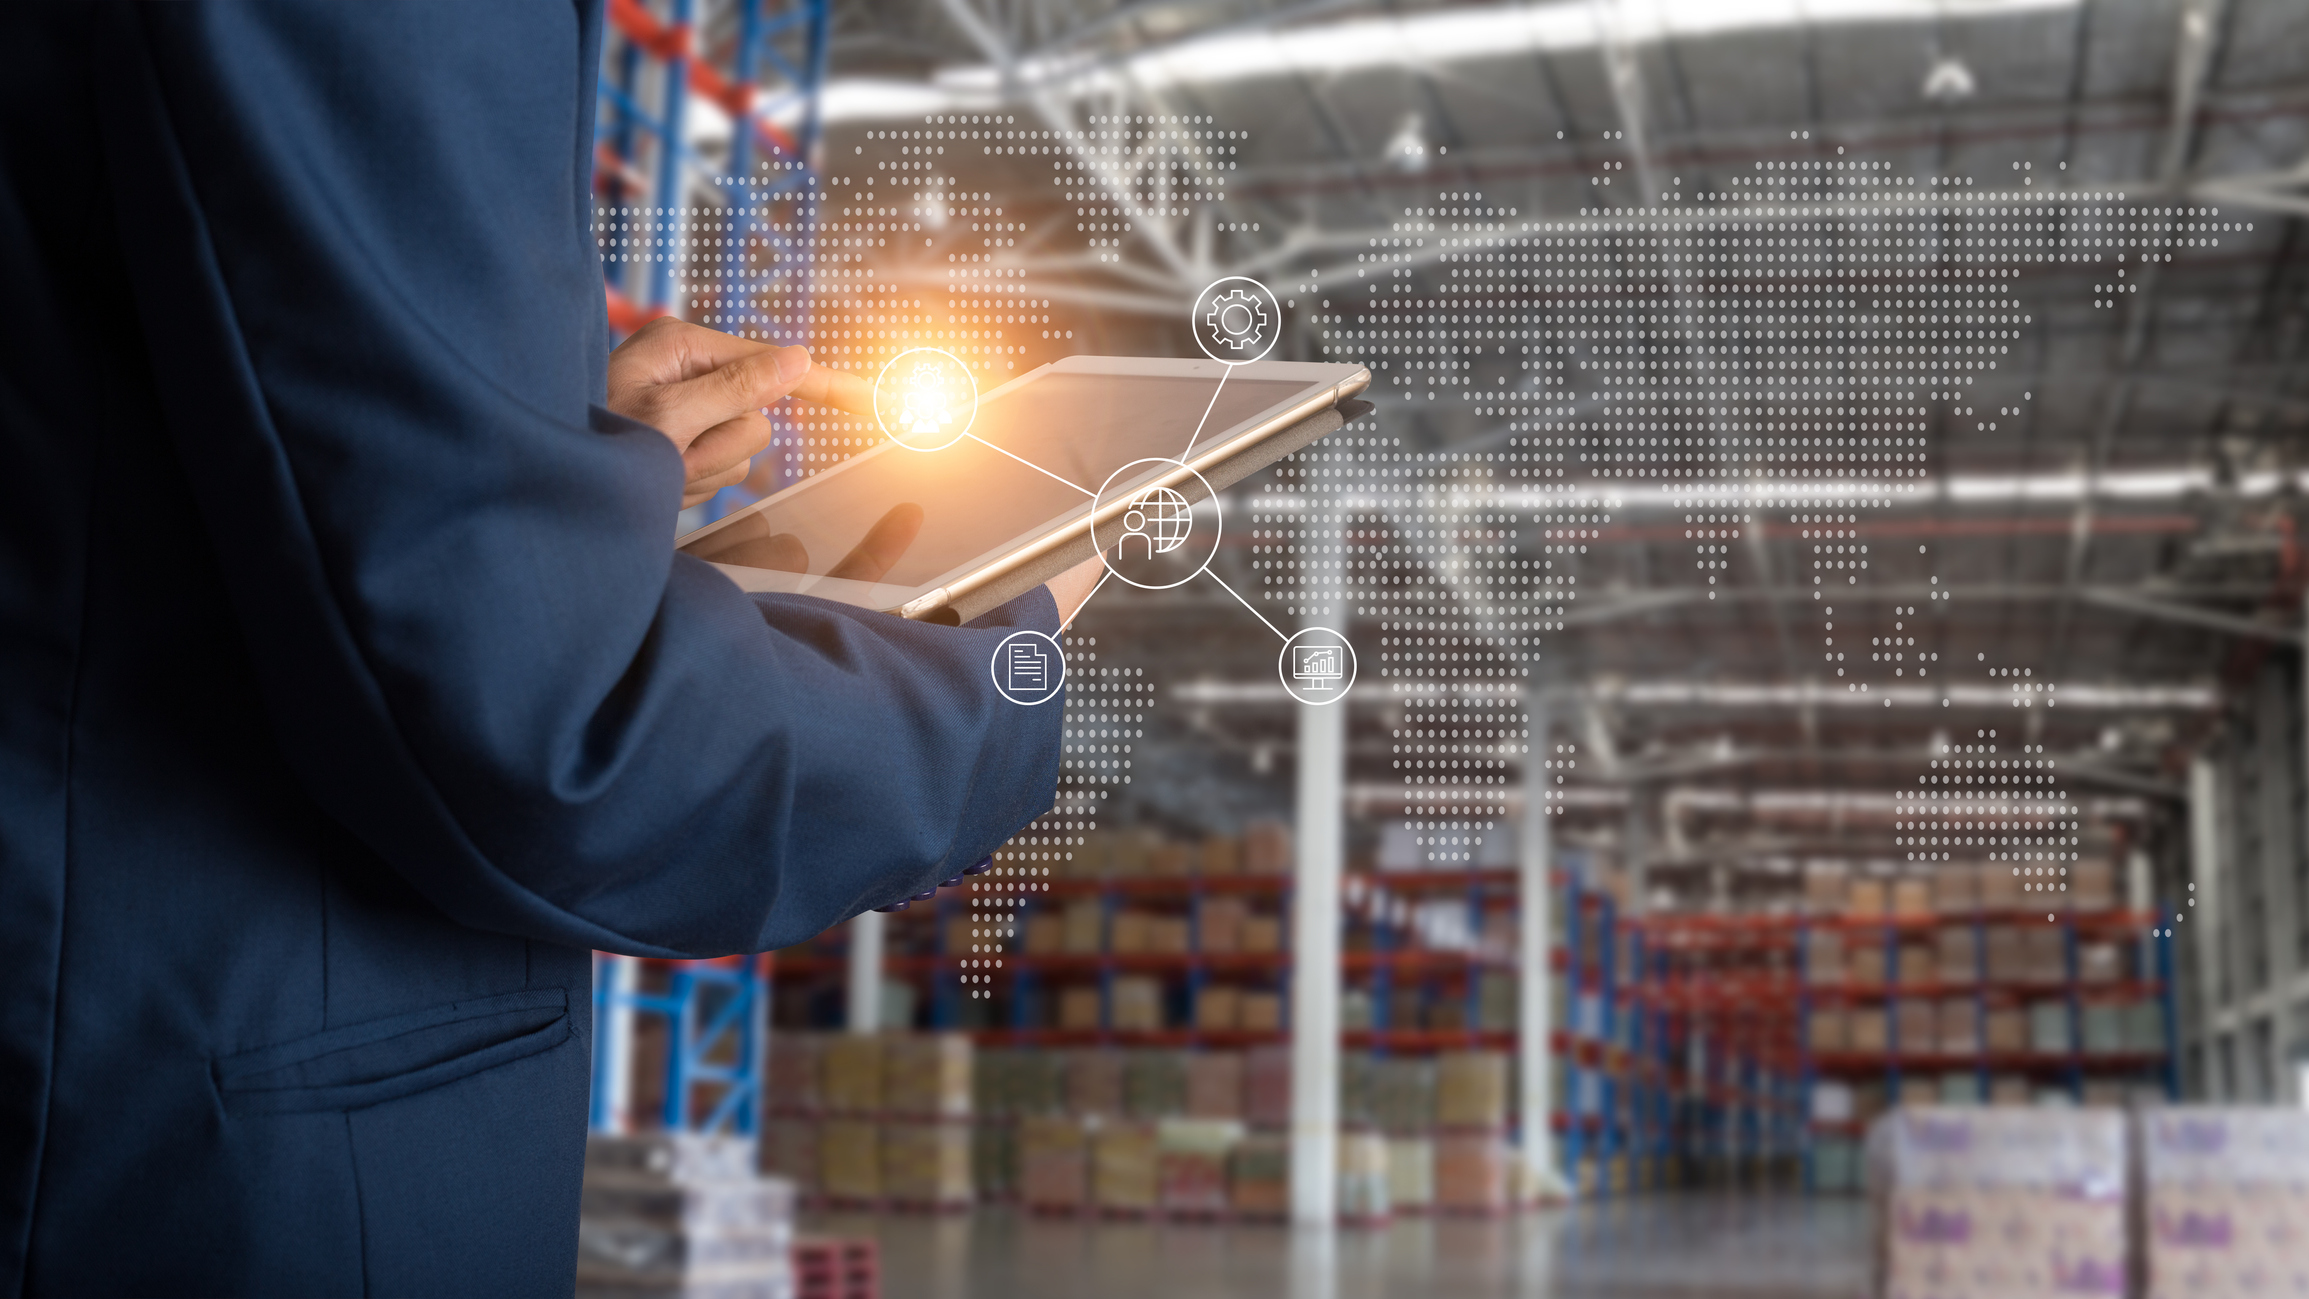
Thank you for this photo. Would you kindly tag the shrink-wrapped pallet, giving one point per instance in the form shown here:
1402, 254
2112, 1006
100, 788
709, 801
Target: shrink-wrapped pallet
1125, 1160
681, 1214
1411, 1174
1267, 1086
1357, 1072
1403, 1095
994, 1158
1154, 1084
1471, 1172
926, 1075
1364, 1194
1259, 1176
1215, 1085
1054, 1163
2225, 1208
1471, 1089
1094, 1083
1191, 1174
1999, 1204
926, 1163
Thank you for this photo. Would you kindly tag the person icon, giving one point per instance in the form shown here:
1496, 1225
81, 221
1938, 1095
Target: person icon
1160, 518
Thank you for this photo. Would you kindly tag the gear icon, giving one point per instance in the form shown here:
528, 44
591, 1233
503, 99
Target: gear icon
1237, 320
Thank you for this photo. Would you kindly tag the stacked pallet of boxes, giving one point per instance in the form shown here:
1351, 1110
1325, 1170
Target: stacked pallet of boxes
1975, 1203
926, 1129
1471, 1153
2225, 1203
795, 1109
1009, 1088
1403, 1108
682, 1215
850, 1137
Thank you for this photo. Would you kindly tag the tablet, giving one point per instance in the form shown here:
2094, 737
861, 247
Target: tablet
1052, 463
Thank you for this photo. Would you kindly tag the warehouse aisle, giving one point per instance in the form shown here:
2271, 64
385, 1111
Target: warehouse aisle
1667, 1247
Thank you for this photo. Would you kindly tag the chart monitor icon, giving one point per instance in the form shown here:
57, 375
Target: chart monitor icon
1317, 667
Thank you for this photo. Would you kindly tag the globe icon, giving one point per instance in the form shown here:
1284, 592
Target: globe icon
1160, 517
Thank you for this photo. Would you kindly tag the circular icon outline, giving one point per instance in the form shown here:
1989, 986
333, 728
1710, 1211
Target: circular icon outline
1218, 522
994, 667
1283, 666
1209, 317
884, 424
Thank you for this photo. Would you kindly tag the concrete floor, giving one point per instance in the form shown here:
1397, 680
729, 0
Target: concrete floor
1661, 1247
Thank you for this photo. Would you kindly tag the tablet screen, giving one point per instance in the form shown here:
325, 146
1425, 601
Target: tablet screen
947, 513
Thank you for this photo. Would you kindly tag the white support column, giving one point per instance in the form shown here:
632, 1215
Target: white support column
2200, 908
865, 1009
1315, 969
1535, 961
624, 975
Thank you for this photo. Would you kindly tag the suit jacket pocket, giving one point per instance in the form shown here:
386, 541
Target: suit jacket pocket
384, 1059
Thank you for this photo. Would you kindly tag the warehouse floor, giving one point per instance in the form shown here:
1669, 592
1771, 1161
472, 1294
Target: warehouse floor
1663, 1247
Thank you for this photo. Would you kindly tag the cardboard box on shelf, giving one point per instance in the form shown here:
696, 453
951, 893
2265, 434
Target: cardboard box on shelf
1167, 935
2101, 1026
1866, 899
2145, 1026
1078, 1007
1222, 855
2006, 1030
1824, 957
1956, 954
2099, 962
1403, 1094
1918, 964
1137, 1003
2046, 953
1864, 962
1262, 932
2010, 1089
1215, 1085
1960, 1088
1262, 1012
2092, 884
2000, 887
1825, 1030
2048, 1027
1218, 1007
1085, 927
1171, 860
1267, 848
2007, 954
1917, 1022
1824, 890
1911, 897
1219, 923
1127, 932
1958, 1024
1868, 1028
1956, 888
1044, 933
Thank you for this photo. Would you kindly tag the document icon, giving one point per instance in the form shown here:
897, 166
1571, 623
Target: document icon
1026, 667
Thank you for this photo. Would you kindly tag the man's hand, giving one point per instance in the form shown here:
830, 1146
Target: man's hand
706, 391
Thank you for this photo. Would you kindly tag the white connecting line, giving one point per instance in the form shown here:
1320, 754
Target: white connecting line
1214, 401
1033, 466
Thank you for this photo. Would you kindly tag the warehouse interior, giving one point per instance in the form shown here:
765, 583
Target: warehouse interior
1621, 931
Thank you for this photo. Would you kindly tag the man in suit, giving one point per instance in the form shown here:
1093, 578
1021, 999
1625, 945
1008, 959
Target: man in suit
350, 690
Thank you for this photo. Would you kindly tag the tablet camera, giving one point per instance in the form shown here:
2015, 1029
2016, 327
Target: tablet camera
1236, 319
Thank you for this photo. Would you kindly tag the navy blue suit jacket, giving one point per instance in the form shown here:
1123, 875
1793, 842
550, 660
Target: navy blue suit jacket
350, 689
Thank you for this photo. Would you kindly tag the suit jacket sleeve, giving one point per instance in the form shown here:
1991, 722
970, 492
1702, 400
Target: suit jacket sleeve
371, 295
